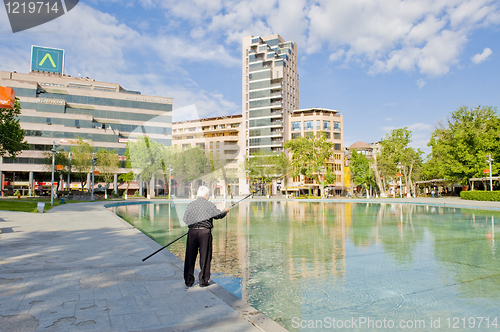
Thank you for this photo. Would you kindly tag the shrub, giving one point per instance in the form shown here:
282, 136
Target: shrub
136, 193
477, 195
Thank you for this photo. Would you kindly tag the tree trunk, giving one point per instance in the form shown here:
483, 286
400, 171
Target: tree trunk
380, 183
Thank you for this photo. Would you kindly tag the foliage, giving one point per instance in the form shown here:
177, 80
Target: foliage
127, 178
477, 195
309, 156
107, 164
461, 146
136, 194
266, 167
361, 172
146, 157
191, 165
60, 158
11, 135
81, 157
397, 157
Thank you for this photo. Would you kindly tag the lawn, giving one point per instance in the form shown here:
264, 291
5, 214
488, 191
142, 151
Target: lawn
26, 205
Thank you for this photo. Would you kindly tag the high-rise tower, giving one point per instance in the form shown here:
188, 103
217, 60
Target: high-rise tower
270, 91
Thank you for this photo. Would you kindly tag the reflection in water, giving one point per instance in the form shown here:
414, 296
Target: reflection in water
300, 261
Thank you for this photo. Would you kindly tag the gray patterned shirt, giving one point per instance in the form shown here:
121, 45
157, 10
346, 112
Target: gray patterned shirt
200, 213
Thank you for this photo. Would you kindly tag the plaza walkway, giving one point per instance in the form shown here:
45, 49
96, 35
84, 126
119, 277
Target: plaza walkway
78, 267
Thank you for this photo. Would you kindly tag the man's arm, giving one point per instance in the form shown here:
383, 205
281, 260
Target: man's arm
222, 213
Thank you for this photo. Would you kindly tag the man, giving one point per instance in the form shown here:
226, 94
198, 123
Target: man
199, 216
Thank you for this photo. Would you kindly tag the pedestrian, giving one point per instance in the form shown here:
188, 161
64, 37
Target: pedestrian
199, 216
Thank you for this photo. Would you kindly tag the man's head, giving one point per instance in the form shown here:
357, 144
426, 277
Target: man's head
203, 192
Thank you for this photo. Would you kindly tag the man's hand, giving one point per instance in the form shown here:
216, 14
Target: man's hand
227, 209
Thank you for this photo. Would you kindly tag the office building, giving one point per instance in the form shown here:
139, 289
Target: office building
270, 91
59, 109
221, 138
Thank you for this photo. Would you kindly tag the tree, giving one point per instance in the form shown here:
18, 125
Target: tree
362, 173
397, 157
11, 135
146, 156
81, 157
266, 167
195, 164
461, 145
127, 178
107, 164
60, 158
309, 156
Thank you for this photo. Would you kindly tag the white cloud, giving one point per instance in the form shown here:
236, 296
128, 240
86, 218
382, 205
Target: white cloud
480, 57
420, 83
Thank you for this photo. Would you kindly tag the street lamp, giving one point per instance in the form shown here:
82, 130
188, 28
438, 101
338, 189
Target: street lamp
169, 180
93, 162
69, 169
400, 181
53, 150
489, 160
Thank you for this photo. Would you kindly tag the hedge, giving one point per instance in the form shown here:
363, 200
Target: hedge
477, 195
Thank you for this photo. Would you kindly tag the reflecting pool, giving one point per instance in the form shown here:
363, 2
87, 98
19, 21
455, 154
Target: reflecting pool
320, 266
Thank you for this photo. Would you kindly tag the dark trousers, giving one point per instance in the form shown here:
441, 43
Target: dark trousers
198, 239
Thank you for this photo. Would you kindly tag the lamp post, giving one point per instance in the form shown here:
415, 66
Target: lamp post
53, 150
169, 181
489, 160
400, 182
69, 170
93, 162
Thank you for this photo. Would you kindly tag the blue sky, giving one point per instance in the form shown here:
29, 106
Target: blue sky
383, 64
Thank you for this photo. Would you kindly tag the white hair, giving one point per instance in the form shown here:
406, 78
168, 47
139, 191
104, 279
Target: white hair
203, 192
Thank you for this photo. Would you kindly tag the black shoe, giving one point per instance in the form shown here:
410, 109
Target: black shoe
189, 285
204, 285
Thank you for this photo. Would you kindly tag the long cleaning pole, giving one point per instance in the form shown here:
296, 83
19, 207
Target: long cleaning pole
180, 237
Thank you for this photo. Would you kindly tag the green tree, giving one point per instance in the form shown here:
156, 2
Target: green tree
108, 164
362, 173
396, 156
60, 158
194, 164
266, 167
146, 157
461, 145
11, 135
309, 156
127, 178
81, 157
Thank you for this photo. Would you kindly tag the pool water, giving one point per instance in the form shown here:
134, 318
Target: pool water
322, 266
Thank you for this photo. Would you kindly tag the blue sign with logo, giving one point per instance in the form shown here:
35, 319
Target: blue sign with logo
47, 59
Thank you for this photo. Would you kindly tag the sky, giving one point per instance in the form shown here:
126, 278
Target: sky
383, 64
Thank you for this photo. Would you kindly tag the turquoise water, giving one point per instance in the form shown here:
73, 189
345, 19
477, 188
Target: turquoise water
316, 266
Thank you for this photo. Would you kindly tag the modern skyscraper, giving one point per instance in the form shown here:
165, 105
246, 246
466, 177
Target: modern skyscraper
270, 91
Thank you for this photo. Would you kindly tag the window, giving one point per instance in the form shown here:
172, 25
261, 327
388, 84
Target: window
336, 125
295, 135
318, 124
308, 125
337, 147
336, 135
49, 122
309, 134
326, 125
77, 123
327, 134
296, 125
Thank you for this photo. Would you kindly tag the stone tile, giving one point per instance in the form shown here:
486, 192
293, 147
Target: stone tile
142, 321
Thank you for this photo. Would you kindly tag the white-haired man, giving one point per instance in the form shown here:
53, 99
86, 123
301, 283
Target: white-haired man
199, 216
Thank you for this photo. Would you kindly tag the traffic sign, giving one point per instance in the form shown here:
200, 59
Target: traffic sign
47, 59
486, 171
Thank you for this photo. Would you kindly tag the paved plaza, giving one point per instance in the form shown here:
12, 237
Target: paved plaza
79, 267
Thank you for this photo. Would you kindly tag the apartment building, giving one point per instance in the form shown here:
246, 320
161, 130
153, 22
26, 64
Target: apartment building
221, 138
310, 122
270, 91
59, 109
